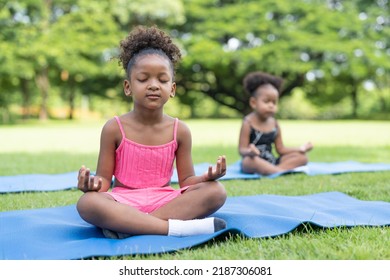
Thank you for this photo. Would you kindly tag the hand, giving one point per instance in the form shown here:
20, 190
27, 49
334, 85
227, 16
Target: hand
253, 151
306, 147
88, 182
217, 172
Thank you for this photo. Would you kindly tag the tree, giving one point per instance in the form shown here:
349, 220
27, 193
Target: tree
17, 70
69, 44
329, 48
312, 40
358, 52
84, 39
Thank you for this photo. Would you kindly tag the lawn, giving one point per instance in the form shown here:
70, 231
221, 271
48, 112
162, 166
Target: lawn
56, 147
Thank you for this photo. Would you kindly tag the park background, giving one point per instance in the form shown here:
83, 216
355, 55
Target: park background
60, 82
58, 57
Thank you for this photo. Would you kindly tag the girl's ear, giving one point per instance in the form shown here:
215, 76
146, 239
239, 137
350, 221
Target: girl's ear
173, 90
127, 87
252, 102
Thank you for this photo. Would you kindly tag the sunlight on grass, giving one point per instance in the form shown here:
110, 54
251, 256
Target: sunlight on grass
321, 133
84, 137
50, 136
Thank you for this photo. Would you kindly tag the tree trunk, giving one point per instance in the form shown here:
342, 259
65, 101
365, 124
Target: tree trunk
383, 104
355, 101
42, 77
24, 85
43, 84
71, 104
382, 98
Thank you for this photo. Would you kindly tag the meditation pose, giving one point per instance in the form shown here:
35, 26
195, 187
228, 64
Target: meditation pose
139, 149
260, 130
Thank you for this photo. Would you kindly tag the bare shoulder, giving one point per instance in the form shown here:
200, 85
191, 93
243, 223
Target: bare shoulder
276, 124
182, 127
111, 132
248, 120
110, 126
183, 131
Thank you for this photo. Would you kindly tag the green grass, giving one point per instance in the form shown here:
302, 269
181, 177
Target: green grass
61, 147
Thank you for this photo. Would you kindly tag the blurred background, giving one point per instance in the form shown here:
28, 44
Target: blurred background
58, 57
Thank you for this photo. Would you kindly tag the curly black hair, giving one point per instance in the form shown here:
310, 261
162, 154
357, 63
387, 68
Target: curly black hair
147, 40
252, 81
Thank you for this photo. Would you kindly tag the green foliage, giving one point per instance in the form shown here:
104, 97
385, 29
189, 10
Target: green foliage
163, 12
329, 50
296, 106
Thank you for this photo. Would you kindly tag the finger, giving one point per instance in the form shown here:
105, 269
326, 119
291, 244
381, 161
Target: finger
218, 167
210, 172
223, 161
81, 170
87, 176
99, 184
91, 183
223, 164
81, 180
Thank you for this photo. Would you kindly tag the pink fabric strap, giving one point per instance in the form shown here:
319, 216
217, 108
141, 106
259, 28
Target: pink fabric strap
175, 128
120, 126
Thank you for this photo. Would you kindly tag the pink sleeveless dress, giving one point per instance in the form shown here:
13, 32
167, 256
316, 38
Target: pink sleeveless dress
146, 172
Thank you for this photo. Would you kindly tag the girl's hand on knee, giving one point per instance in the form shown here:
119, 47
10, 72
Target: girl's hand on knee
88, 183
306, 147
253, 151
218, 171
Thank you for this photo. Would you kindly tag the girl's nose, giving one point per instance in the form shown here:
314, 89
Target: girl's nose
152, 87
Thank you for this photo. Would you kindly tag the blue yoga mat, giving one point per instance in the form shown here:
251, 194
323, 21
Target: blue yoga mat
59, 233
233, 171
311, 169
55, 182
38, 182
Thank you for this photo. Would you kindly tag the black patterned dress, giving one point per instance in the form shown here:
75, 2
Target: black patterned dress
263, 142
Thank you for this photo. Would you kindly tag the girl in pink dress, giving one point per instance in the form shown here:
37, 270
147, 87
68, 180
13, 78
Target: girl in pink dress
139, 149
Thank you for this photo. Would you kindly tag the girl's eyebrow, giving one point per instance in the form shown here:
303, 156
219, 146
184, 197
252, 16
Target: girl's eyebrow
148, 73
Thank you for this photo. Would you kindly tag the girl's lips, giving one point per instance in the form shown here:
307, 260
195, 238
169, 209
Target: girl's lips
153, 96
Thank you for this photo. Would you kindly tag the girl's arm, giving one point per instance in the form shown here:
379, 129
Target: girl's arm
101, 181
184, 164
283, 150
244, 148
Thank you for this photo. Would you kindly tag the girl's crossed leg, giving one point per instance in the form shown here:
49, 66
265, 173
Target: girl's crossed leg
258, 165
182, 216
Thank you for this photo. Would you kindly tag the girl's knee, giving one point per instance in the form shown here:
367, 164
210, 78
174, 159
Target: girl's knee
218, 194
299, 158
85, 204
304, 160
81, 205
247, 165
